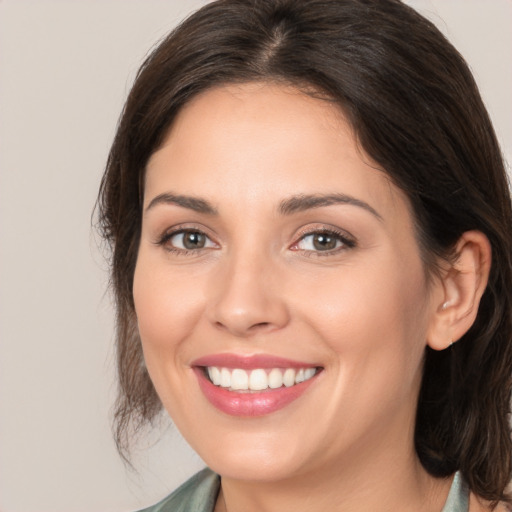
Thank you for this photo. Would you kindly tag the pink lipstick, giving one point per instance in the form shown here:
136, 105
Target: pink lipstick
252, 385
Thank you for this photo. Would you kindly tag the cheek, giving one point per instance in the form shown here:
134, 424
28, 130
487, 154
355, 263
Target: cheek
364, 298
167, 305
372, 317
374, 325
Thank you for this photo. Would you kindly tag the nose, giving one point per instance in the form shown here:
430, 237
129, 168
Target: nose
247, 297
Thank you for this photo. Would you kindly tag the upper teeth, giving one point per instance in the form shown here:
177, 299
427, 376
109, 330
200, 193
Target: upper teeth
258, 380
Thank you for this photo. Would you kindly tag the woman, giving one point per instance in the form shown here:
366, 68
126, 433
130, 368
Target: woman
310, 225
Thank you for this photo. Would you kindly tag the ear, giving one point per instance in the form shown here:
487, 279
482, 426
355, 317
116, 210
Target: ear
457, 298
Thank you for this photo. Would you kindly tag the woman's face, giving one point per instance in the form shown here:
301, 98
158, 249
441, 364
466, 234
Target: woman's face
272, 249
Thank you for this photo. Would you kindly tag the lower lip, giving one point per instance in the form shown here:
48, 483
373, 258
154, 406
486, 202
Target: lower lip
250, 404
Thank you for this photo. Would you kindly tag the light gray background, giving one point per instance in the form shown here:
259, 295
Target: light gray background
65, 70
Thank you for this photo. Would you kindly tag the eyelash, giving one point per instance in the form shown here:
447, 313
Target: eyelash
347, 242
167, 236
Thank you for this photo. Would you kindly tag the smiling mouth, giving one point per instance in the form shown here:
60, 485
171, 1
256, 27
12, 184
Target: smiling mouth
258, 380
250, 386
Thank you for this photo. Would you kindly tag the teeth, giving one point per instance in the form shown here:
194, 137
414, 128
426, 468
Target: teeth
258, 380
239, 379
309, 372
214, 374
289, 377
275, 379
225, 378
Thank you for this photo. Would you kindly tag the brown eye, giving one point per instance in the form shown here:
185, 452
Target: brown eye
193, 240
187, 241
324, 241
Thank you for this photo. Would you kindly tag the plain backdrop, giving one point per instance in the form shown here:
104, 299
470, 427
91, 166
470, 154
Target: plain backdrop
65, 69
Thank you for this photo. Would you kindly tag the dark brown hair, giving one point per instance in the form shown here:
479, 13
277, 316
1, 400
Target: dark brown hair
417, 112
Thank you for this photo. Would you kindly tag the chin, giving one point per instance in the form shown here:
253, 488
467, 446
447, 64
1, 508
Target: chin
263, 457
254, 468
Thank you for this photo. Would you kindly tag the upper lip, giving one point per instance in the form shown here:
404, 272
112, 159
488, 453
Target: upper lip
250, 362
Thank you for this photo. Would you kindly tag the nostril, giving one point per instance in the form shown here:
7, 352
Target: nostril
249, 314
258, 326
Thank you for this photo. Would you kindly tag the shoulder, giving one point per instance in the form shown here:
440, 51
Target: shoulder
199, 493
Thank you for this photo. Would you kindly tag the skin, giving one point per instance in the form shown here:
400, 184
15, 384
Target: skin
363, 311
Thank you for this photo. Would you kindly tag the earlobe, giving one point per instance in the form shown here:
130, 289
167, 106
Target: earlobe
461, 287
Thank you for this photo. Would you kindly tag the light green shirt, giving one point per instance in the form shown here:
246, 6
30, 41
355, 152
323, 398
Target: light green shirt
199, 494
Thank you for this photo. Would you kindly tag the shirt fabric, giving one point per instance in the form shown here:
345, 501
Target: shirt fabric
199, 494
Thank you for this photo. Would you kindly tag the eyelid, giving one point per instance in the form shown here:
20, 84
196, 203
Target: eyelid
208, 241
348, 240
164, 237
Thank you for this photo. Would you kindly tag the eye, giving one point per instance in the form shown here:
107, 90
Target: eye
324, 241
186, 240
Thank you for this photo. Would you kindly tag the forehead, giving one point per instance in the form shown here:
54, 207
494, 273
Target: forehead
257, 141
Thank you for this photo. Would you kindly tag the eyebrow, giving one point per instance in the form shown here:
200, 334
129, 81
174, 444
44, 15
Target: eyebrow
294, 204
301, 203
192, 203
